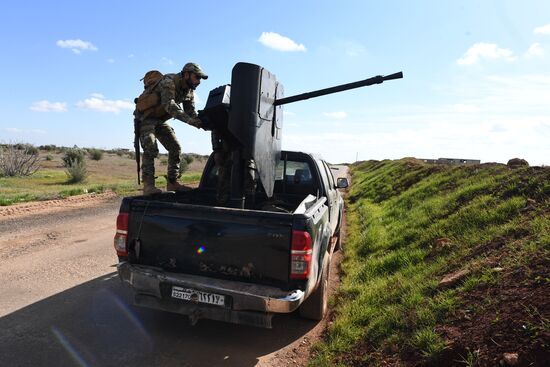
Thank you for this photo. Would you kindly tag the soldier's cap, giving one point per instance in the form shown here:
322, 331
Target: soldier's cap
194, 68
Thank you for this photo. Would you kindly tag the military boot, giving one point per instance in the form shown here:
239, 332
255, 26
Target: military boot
174, 185
149, 186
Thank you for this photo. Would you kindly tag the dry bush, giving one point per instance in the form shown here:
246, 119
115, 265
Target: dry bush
18, 160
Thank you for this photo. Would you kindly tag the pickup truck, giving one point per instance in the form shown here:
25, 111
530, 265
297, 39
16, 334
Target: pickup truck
182, 253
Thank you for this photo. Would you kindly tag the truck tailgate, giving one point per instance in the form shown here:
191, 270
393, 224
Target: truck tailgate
246, 245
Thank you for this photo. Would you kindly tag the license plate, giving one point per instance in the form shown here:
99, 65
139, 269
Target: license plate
193, 295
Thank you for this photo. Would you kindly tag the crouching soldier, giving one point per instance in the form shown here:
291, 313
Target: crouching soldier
158, 103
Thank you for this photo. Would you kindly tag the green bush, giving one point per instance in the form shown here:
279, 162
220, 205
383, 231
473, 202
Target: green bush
95, 154
28, 149
184, 165
121, 152
71, 155
48, 148
49, 157
188, 158
76, 171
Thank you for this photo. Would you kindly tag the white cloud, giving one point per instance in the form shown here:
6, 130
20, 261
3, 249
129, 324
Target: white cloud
339, 115
280, 43
167, 61
111, 61
46, 106
485, 51
77, 46
535, 50
288, 113
98, 103
545, 29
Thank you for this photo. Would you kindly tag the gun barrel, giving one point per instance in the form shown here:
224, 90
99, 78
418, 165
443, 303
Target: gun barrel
339, 88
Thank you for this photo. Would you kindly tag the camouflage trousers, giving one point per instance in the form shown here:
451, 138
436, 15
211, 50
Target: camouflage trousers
151, 130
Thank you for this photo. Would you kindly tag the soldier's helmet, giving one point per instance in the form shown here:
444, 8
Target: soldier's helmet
194, 68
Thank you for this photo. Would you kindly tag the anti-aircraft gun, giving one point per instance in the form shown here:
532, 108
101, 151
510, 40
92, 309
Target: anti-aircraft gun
249, 116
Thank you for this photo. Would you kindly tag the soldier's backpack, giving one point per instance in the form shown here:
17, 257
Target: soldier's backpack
149, 98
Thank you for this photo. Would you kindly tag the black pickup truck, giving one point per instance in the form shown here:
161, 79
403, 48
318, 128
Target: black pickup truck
182, 253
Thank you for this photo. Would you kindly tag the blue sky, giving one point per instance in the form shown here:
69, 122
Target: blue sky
476, 73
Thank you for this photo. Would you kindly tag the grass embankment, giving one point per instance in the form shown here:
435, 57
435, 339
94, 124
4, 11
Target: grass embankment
112, 173
409, 225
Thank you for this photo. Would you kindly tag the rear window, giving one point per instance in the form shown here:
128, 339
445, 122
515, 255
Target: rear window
294, 178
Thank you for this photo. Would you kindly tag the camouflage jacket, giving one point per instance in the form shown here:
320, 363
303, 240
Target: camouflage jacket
172, 93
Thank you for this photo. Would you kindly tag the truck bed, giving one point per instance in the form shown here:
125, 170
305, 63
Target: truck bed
186, 233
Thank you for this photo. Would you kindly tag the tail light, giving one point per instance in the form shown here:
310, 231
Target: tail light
300, 255
121, 236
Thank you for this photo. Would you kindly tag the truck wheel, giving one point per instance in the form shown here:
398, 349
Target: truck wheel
315, 306
338, 245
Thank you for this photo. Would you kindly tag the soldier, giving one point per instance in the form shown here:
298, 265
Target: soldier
173, 89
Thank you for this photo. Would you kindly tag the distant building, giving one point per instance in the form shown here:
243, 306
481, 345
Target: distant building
452, 161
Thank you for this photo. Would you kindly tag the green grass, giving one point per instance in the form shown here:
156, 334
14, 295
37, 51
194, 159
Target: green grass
396, 210
52, 183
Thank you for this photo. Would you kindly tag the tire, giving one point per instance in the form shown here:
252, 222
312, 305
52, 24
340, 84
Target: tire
338, 245
316, 305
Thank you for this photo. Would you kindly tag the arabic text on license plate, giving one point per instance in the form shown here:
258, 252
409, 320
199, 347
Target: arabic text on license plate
198, 296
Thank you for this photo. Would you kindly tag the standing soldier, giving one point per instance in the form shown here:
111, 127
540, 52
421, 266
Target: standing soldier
167, 93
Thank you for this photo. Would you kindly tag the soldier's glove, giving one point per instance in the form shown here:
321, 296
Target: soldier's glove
195, 121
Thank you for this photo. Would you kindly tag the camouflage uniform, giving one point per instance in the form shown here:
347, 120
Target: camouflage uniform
153, 126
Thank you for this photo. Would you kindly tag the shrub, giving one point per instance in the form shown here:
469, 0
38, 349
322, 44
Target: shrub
184, 165
71, 155
95, 154
27, 148
49, 157
76, 171
121, 152
48, 148
132, 155
187, 158
18, 160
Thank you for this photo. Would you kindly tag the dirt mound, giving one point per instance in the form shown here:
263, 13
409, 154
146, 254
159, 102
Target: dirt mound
51, 206
513, 317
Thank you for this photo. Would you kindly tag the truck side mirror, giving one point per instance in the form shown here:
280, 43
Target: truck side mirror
342, 183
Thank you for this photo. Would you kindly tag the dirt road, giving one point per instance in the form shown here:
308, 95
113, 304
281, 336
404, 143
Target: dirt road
61, 303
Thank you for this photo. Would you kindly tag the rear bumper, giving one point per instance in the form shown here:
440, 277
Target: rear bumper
250, 303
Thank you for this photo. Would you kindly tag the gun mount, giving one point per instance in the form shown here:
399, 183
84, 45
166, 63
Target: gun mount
248, 115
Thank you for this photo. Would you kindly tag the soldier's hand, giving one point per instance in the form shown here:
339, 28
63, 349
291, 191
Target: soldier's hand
196, 122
